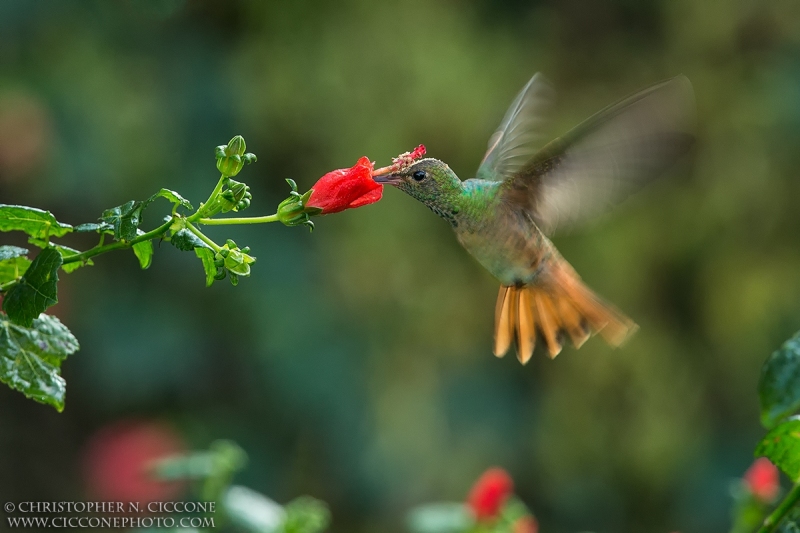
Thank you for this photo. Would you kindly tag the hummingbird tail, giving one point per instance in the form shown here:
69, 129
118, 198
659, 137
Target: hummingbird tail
559, 304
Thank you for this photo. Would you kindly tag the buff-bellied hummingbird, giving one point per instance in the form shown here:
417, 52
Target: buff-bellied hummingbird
524, 189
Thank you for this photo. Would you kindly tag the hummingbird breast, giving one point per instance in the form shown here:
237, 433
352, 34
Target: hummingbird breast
508, 244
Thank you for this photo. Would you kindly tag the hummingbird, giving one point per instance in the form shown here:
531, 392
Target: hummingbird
524, 189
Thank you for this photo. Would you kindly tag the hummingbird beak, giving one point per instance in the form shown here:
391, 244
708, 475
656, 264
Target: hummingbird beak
387, 178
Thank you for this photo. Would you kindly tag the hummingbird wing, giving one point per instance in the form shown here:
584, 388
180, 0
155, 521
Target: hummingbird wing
520, 133
608, 156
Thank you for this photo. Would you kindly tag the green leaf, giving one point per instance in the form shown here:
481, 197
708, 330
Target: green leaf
252, 511
173, 197
65, 252
781, 445
144, 252
126, 218
36, 290
37, 223
89, 227
11, 269
306, 515
13, 263
206, 255
30, 358
779, 386
185, 240
440, 518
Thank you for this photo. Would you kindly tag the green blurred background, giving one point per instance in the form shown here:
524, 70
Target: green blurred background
355, 364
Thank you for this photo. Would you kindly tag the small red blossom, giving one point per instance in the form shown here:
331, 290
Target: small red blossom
489, 493
118, 459
762, 479
526, 524
346, 188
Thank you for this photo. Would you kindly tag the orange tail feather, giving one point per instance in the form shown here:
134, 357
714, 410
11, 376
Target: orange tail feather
559, 304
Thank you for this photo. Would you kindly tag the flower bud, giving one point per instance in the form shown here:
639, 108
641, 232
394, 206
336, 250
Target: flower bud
236, 146
232, 157
294, 211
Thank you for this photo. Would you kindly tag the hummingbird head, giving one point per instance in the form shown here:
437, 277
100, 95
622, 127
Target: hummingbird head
431, 182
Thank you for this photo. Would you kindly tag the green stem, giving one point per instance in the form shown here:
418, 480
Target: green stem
211, 198
773, 520
101, 249
7, 285
240, 220
202, 236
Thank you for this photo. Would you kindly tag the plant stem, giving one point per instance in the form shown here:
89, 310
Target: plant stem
773, 520
240, 220
101, 249
211, 198
202, 236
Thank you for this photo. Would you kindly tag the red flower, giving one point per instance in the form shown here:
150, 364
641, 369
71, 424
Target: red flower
526, 524
489, 493
118, 456
762, 479
346, 188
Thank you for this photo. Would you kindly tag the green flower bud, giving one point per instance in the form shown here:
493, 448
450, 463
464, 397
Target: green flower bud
291, 212
238, 262
236, 146
232, 157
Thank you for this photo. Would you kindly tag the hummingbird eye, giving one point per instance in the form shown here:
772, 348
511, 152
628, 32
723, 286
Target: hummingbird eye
419, 175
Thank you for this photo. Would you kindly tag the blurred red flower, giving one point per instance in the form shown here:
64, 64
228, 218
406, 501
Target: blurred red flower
117, 458
526, 524
762, 479
346, 188
489, 493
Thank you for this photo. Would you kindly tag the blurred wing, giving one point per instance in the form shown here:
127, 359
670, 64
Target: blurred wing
608, 156
520, 134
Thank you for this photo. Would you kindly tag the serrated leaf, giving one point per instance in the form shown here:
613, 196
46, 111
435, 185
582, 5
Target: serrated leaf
36, 290
779, 386
144, 253
306, 515
30, 358
89, 227
37, 223
252, 511
206, 255
445, 517
185, 240
781, 445
65, 252
173, 197
9, 252
126, 218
